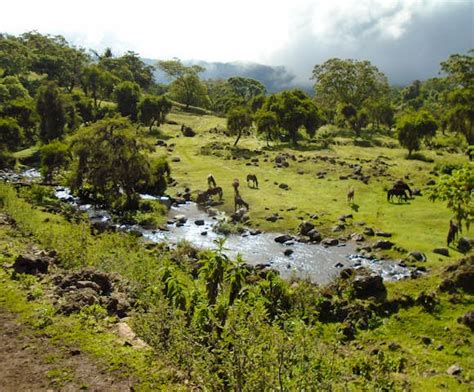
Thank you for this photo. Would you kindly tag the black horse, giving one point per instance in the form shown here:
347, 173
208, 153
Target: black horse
399, 193
402, 186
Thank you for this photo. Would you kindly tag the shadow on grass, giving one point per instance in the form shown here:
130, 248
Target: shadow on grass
355, 207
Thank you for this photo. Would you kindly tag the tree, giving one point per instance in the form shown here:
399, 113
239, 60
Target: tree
153, 110
246, 88
186, 87
267, 123
11, 135
190, 91
460, 69
51, 109
54, 156
24, 112
347, 82
458, 190
294, 109
413, 127
14, 56
379, 112
117, 166
97, 83
127, 96
460, 113
239, 120
356, 119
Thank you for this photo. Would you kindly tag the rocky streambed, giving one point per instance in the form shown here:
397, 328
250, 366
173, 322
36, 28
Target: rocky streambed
291, 256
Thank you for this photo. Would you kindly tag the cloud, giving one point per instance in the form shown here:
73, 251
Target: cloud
406, 39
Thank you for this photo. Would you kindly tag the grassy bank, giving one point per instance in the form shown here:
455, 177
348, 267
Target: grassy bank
272, 336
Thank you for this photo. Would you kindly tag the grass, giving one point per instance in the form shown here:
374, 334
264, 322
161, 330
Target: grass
418, 225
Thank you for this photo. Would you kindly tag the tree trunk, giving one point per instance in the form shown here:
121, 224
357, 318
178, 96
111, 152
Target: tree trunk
238, 138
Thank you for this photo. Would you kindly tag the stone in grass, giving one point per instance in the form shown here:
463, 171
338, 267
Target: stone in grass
454, 370
441, 251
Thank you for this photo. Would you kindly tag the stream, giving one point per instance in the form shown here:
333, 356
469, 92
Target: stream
193, 224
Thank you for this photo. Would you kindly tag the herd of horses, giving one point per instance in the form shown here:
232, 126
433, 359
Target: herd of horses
213, 190
400, 190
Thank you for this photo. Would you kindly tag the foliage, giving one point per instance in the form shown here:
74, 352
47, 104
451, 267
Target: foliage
267, 123
356, 119
460, 113
413, 127
11, 135
116, 167
153, 110
127, 96
54, 156
186, 87
239, 120
246, 88
294, 109
457, 189
97, 83
50, 105
347, 82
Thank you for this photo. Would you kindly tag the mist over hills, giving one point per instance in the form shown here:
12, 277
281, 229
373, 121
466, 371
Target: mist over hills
274, 78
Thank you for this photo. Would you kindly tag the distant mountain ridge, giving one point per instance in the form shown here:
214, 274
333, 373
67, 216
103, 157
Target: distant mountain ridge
274, 78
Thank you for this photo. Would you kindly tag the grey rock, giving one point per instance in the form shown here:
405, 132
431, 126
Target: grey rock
441, 251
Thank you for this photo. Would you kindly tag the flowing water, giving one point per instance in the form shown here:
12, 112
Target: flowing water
191, 223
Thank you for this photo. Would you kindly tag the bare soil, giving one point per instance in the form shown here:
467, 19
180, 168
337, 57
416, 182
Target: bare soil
30, 362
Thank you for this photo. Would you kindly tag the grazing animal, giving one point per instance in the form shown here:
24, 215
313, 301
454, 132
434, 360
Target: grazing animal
350, 195
453, 232
252, 178
215, 191
202, 197
235, 185
402, 185
211, 182
399, 193
239, 202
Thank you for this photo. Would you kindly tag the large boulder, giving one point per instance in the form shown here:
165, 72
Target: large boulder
31, 264
382, 244
305, 227
281, 239
330, 242
368, 286
314, 235
465, 244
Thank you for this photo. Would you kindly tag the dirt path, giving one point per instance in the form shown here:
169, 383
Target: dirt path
29, 362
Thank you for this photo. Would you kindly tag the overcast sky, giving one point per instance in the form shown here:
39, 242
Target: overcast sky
406, 39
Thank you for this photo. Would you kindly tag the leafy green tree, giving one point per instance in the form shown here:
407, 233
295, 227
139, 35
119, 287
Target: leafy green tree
54, 156
460, 69
97, 83
457, 189
459, 115
14, 56
190, 91
413, 128
294, 109
257, 102
267, 123
50, 106
11, 135
379, 112
239, 120
347, 82
153, 110
221, 97
356, 119
11, 88
24, 112
117, 165
186, 87
246, 88
127, 96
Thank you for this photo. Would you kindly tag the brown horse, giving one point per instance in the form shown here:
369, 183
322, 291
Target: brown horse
252, 178
211, 182
202, 197
453, 232
239, 202
215, 191
235, 185
350, 195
